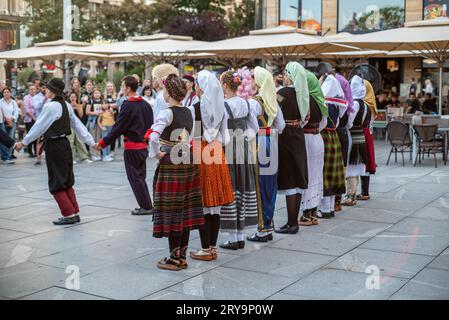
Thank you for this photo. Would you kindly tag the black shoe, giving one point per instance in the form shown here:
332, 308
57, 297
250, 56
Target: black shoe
64, 221
325, 215
142, 212
286, 229
256, 238
241, 244
270, 237
230, 245
77, 218
13, 157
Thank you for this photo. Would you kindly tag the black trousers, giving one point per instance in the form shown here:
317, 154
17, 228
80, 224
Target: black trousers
136, 171
31, 146
59, 160
365, 185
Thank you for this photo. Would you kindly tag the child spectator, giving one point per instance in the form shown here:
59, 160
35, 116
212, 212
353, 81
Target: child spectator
105, 123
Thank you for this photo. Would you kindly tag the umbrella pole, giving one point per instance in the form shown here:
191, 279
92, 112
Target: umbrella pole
440, 90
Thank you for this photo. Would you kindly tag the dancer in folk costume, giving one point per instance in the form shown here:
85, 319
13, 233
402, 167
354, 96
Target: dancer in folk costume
357, 156
271, 121
334, 174
317, 120
216, 184
54, 124
133, 121
243, 126
293, 99
371, 165
177, 186
342, 130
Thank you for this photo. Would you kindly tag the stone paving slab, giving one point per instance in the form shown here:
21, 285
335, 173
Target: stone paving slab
393, 264
341, 284
402, 230
428, 284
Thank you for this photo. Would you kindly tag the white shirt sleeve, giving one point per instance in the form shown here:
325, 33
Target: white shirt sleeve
163, 119
279, 122
352, 115
50, 113
79, 127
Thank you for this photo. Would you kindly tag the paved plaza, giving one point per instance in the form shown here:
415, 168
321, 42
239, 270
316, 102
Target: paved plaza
401, 234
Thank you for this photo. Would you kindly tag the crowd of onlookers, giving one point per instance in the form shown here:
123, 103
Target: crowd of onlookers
424, 101
97, 109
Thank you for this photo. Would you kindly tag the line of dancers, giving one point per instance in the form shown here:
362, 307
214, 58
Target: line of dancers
225, 151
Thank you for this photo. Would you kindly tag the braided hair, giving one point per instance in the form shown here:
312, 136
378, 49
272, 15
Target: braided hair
232, 79
176, 88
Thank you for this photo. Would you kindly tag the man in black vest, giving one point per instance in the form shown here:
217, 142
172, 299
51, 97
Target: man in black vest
134, 120
54, 124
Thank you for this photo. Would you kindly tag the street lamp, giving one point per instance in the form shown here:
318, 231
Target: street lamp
298, 19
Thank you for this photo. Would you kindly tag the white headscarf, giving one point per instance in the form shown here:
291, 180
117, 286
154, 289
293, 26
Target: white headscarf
358, 88
334, 94
211, 105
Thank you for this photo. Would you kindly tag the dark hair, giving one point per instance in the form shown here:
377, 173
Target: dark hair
413, 78
6, 88
176, 88
429, 95
147, 88
231, 79
131, 82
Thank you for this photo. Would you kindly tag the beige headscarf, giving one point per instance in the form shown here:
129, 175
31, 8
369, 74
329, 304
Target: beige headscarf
370, 98
267, 91
163, 70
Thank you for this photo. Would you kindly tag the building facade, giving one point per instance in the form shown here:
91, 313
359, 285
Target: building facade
328, 17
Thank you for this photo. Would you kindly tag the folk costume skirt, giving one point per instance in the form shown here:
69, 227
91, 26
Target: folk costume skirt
177, 198
333, 174
315, 163
216, 183
293, 172
243, 211
343, 136
371, 165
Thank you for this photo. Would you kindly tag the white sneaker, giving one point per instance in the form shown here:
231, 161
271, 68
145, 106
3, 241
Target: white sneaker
74, 162
87, 161
107, 159
112, 154
8, 161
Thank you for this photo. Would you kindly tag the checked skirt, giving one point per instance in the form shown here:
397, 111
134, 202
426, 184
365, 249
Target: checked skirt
333, 173
177, 198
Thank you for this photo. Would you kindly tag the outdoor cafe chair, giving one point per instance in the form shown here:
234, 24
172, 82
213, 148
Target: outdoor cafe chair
427, 142
399, 136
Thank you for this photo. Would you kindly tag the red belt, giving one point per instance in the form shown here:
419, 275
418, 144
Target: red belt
265, 131
132, 145
330, 129
311, 130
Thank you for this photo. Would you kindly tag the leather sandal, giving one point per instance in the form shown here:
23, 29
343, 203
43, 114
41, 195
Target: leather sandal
362, 197
305, 221
201, 255
183, 263
169, 264
213, 252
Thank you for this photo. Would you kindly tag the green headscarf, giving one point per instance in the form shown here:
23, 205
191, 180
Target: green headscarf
298, 76
316, 93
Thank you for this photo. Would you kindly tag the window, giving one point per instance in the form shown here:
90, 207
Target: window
435, 9
306, 13
370, 15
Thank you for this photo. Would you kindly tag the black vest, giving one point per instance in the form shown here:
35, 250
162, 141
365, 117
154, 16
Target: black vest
61, 126
358, 121
344, 120
182, 119
237, 123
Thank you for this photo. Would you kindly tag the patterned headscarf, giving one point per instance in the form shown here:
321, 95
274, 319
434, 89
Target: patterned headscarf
211, 104
298, 76
267, 91
316, 93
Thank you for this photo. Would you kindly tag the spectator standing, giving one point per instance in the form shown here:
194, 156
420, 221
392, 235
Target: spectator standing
93, 110
428, 87
413, 87
30, 117
10, 112
86, 98
105, 123
38, 103
77, 146
110, 96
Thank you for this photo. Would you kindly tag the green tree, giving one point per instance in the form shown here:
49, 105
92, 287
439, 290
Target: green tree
44, 21
241, 18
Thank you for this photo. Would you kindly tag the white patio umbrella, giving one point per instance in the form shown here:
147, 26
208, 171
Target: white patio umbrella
429, 38
54, 50
279, 44
159, 46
